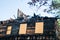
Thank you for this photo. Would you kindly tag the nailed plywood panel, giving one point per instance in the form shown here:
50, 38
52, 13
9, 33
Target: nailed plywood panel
39, 27
23, 28
9, 30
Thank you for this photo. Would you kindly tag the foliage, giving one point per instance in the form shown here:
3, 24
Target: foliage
58, 22
56, 5
40, 3
47, 4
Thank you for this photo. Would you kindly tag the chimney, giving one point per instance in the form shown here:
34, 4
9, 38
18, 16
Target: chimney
19, 14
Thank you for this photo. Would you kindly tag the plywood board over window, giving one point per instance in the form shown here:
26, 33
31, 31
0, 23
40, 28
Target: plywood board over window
23, 28
9, 30
39, 27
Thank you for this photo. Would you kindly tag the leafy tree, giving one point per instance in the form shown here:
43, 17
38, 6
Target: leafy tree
54, 5
39, 3
58, 22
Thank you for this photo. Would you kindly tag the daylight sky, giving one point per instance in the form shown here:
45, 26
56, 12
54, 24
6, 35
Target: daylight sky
8, 8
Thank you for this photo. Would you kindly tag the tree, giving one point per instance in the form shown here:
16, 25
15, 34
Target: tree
56, 3
54, 6
40, 3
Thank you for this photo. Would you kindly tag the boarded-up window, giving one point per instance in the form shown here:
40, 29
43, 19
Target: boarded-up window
39, 27
23, 28
9, 30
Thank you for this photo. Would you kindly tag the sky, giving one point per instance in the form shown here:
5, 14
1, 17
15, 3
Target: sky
8, 8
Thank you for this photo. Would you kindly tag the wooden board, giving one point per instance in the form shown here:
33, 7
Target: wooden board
39, 27
9, 30
23, 28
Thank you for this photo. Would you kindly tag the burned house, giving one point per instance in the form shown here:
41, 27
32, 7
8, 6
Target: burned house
34, 28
